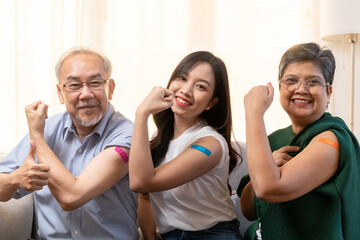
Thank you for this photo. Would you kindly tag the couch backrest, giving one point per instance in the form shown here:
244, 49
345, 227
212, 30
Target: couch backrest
234, 178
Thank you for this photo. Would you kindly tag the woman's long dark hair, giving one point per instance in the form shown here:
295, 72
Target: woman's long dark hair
218, 117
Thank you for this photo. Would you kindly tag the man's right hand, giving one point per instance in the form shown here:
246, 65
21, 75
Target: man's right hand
36, 113
32, 176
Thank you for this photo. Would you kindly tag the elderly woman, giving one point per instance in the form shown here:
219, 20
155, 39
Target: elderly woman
305, 179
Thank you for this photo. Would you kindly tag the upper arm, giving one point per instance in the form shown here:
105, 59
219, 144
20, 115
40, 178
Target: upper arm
312, 167
102, 172
187, 166
247, 202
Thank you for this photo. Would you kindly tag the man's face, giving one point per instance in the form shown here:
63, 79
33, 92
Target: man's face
86, 106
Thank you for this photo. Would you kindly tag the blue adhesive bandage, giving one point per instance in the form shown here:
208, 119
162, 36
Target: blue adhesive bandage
206, 151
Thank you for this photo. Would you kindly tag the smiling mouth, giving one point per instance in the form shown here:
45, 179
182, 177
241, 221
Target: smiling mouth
182, 101
301, 101
87, 107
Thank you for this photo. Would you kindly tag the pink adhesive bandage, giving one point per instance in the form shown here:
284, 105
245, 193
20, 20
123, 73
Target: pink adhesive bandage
122, 153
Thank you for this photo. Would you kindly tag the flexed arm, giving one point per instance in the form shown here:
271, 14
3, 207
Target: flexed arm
190, 164
295, 178
141, 166
106, 169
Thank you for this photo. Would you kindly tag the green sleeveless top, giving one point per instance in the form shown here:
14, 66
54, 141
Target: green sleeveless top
332, 210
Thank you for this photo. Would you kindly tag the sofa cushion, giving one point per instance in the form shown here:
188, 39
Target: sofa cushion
16, 218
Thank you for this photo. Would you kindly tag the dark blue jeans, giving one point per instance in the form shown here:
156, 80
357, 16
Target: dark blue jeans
221, 231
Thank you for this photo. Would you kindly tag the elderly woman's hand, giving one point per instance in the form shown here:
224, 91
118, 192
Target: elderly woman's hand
281, 155
259, 99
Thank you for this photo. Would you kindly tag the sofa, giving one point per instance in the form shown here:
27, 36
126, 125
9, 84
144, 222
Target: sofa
17, 215
234, 178
16, 218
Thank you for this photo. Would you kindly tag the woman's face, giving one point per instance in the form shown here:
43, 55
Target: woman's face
193, 92
304, 105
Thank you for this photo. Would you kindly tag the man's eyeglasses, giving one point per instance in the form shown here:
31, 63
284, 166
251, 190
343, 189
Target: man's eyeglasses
291, 84
76, 86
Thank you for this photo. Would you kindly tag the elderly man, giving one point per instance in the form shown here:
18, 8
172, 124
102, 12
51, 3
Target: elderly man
80, 180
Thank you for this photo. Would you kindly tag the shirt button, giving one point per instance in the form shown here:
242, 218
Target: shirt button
80, 150
76, 232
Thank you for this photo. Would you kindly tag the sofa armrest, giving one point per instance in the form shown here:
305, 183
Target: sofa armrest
16, 219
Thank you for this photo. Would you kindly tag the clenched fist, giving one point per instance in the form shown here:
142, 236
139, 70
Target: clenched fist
36, 113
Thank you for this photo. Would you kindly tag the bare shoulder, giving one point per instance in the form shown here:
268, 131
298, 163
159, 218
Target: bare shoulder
325, 140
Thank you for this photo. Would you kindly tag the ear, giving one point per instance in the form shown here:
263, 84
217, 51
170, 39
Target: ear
329, 93
59, 93
212, 103
111, 88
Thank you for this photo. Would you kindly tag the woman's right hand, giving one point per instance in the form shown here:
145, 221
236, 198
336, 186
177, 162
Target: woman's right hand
158, 100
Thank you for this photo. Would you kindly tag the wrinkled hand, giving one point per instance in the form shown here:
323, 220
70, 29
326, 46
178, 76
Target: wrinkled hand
281, 155
36, 113
32, 176
158, 100
259, 99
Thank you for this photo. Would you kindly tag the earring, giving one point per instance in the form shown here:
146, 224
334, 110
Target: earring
207, 108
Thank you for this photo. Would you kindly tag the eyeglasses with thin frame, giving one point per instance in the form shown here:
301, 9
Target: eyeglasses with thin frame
313, 85
76, 86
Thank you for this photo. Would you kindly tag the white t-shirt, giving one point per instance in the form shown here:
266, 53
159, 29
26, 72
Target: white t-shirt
202, 202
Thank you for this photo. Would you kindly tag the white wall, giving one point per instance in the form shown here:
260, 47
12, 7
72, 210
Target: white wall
340, 101
146, 39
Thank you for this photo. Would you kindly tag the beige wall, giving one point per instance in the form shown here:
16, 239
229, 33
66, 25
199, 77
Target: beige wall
340, 101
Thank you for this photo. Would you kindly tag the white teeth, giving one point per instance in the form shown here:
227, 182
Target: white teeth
301, 101
182, 101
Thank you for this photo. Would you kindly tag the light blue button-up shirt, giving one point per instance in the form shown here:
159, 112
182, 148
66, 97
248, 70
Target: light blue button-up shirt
112, 215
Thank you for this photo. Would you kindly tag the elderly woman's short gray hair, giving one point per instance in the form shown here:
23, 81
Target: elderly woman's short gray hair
309, 52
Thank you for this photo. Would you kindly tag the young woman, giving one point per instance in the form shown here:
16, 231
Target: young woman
186, 166
305, 177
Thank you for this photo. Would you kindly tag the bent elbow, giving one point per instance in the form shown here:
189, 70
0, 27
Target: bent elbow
261, 195
67, 207
138, 186
268, 196
264, 193
68, 203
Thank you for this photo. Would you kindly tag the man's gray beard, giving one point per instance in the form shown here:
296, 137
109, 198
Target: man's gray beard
89, 123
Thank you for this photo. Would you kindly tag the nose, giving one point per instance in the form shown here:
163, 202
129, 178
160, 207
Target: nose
187, 89
303, 88
85, 92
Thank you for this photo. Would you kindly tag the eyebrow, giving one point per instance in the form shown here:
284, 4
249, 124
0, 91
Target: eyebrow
200, 80
205, 81
307, 77
73, 78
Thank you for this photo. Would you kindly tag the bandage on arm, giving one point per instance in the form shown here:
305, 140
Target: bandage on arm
122, 153
329, 142
202, 149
